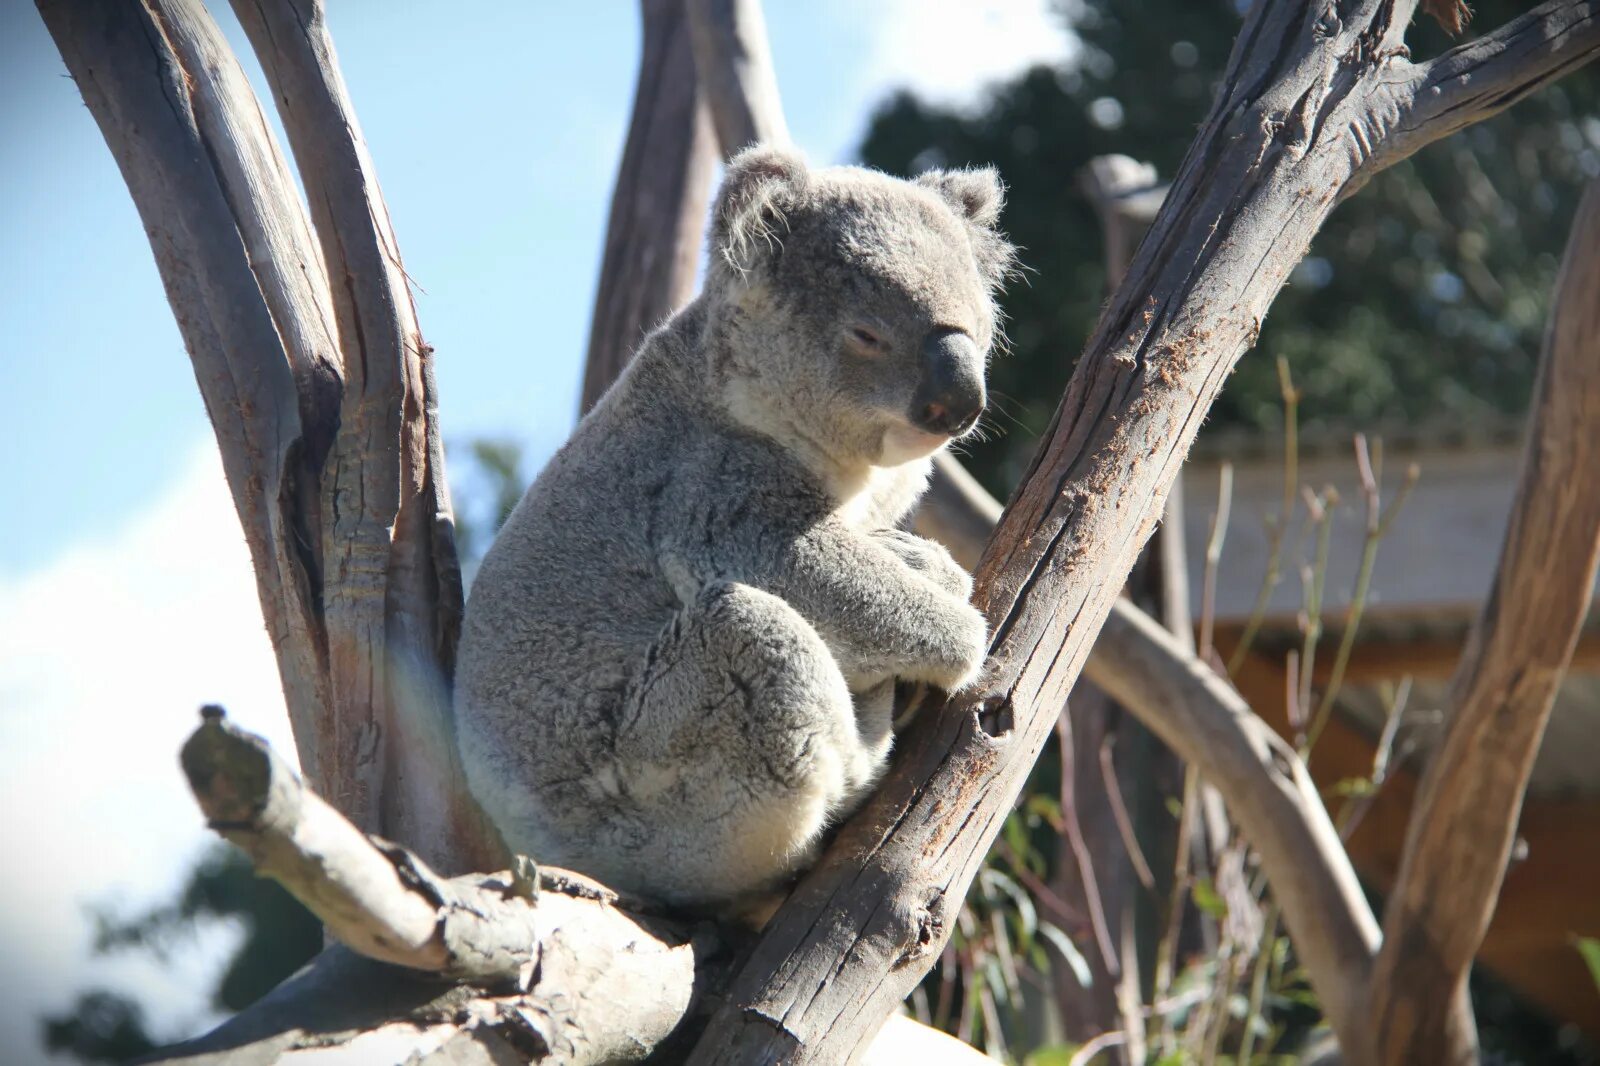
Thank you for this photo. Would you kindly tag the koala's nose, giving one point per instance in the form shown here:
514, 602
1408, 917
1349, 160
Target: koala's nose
950, 397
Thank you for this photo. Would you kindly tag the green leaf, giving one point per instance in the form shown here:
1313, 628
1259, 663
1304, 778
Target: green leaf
1043, 805
1589, 948
1205, 896
1054, 1055
1026, 913
1354, 787
1068, 951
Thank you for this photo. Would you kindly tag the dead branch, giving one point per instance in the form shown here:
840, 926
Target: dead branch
1465, 817
1289, 130
545, 964
659, 204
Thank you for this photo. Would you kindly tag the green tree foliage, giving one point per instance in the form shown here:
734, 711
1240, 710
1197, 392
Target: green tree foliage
279, 937
1424, 297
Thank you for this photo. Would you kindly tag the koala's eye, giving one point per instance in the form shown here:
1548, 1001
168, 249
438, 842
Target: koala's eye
866, 342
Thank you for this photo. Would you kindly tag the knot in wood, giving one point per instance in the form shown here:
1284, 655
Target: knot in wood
923, 931
995, 716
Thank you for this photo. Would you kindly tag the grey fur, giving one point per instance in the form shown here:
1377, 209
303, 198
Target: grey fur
679, 657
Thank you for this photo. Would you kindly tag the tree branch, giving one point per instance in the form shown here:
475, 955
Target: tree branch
1481, 78
246, 283
734, 62
1465, 818
547, 964
1267, 789
1275, 153
1263, 781
659, 204
392, 583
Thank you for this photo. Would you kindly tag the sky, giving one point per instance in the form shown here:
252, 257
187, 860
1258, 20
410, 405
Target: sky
126, 595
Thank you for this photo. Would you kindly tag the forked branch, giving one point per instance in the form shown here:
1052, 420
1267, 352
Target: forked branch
320, 394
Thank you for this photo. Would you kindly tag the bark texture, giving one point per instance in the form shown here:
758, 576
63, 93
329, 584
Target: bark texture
1465, 817
658, 207
1307, 104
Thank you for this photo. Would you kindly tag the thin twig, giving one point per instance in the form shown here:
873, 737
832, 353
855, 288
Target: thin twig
1119, 814
1314, 579
1277, 528
1219, 532
1379, 521
1080, 852
1103, 1042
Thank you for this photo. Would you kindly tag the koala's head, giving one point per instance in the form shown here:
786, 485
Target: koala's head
851, 311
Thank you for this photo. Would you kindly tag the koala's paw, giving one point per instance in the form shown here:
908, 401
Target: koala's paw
927, 558
965, 642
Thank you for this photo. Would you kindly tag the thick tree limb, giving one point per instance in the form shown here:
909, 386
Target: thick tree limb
391, 579
246, 282
658, 207
1465, 818
1291, 124
734, 61
1480, 78
548, 964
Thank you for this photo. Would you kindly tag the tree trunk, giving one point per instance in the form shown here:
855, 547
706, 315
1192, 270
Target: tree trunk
321, 395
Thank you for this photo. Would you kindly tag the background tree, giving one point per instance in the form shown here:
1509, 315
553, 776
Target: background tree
1423, 298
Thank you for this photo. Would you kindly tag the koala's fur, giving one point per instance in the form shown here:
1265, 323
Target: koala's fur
678, 662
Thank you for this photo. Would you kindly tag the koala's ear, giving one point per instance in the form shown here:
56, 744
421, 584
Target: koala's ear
976, 195
760, 183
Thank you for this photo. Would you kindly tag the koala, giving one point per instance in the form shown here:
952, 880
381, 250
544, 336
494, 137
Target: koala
678, 661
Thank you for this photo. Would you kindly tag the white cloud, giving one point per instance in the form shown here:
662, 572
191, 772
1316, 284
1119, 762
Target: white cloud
950, 51
108, 652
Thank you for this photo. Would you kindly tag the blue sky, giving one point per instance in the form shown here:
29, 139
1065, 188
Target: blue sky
126, 596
